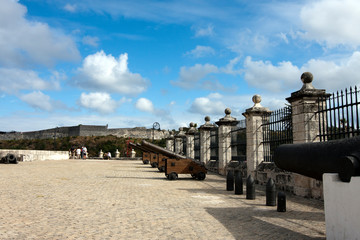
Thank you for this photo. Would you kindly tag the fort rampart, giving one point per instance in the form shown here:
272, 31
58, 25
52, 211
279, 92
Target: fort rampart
86, 130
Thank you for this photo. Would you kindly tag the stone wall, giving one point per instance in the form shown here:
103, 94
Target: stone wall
86, 130
35, 155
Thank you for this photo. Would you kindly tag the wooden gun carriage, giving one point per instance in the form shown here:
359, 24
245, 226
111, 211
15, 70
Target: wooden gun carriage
175, 164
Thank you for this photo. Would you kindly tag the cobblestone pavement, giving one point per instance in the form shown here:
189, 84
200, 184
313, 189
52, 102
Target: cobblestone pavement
88, 199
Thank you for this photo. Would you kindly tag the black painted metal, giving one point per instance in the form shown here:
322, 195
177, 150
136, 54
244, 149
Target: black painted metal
214, 144
339, 115
314, 159
281, 206
184, 142
238, 183
197, 146
230, 180
238, 142
277, 130
250, 188
270, 193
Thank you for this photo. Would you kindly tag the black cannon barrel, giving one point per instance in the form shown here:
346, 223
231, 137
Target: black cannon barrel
161, 150
139, 147
315, 159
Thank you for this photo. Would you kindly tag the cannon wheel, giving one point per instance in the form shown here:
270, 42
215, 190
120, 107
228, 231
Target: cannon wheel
201, 176
154, 164
193, 175
173, 176
162, 169
146, 162
167, 176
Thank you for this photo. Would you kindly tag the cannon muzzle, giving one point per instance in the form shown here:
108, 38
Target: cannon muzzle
161, 150
315, 159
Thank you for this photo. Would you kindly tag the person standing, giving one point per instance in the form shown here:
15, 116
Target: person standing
78, 152
83, 152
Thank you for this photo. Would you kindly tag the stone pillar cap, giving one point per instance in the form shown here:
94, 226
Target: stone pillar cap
207, 124
181, 133
257, 108
228, 119
192, 129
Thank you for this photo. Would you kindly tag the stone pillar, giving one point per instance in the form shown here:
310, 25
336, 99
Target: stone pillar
190, 146
304, 105
117, 153
225, 124
305, 122
170, 143
254, 134
179, 141
205, 152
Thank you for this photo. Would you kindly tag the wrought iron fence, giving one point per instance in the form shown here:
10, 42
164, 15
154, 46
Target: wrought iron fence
277, 130
338, 115
214, 144
197, 146
238, 142
184, 145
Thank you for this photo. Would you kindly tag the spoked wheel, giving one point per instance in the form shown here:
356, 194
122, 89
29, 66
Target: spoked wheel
173, 176
201, 176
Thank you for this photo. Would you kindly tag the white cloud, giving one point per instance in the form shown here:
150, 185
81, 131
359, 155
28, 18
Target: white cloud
38, 100
210, 105
25, 42
285, 76
204, 32
101, 72
98, 101
190, 76
70, 7
201, 51
91, 41
13, 80
145, 105
333, 22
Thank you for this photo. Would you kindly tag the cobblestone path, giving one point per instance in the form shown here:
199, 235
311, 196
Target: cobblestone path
89, 199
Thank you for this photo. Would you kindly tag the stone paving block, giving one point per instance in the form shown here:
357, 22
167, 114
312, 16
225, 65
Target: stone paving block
96, 199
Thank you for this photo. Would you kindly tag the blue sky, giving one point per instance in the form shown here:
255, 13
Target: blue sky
131, 63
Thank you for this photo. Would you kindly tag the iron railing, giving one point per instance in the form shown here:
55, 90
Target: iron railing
238, 142
338, 115
197, 146
277, 130
214, 144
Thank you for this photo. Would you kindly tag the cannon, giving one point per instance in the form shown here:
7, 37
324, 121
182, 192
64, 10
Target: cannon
315, 159
176, 164
9, 158
145, 153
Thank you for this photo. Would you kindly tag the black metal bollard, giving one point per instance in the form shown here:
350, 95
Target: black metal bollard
270, 193
238, 183
250, 188
230, 181
281, 206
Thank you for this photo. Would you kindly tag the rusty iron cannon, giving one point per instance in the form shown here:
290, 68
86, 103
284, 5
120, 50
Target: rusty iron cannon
145, 154
315, 159
9, 158
175, 164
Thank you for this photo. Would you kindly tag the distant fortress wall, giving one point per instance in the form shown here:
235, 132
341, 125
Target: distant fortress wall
86, 130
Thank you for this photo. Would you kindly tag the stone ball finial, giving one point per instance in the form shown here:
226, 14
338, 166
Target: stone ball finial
227, 111
192, 124
207, 119
181, 129
256, 99
307, 77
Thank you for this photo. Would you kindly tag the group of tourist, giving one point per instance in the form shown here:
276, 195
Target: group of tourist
78, 153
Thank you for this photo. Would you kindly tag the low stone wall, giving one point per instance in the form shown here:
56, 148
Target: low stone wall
288, 181
35, 155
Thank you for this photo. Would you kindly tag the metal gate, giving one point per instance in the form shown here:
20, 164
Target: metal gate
214, 144
238, 142
197, 146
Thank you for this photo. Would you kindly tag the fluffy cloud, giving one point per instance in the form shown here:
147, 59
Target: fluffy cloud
13, 80
38, 100
98, 101
190, 76
91, 41
145, 105
333, 22
329, 75
210, 105
25, 42
101, 72
70, 7
204, 32
201, 51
